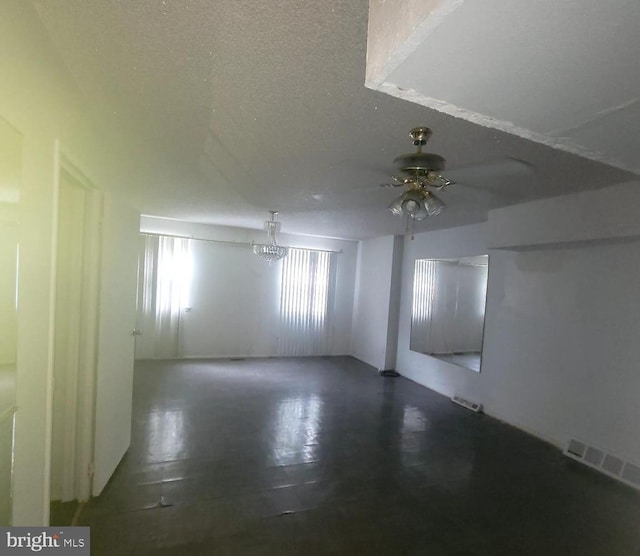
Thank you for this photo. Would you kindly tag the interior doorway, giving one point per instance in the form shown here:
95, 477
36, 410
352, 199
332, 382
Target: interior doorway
76, 331
10, 177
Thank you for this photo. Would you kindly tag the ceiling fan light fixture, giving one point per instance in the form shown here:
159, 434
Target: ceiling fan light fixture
419, 172
396, 206
413, 204
416, 204
433, 204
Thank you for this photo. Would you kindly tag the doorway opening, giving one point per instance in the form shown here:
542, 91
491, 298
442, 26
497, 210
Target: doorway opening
78, 254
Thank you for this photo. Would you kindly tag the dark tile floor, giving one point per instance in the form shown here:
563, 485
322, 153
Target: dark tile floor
323, 456
62, 513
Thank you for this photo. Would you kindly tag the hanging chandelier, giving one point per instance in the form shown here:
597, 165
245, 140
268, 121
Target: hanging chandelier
270, 251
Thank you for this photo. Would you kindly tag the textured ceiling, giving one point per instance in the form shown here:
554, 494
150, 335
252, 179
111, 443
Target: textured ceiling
261, 105
566, 74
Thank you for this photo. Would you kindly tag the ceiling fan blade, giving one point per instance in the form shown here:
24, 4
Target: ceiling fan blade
492, 172
438, 181
432, 180
461, 195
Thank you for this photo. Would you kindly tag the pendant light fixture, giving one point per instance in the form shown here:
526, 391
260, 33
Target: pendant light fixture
270, 251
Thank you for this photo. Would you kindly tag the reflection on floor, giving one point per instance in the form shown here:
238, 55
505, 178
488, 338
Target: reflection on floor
323, 456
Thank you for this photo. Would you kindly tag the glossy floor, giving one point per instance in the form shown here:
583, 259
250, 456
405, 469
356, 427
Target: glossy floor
323, 456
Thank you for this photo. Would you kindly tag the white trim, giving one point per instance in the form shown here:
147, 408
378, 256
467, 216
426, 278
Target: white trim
78, 482
238, 243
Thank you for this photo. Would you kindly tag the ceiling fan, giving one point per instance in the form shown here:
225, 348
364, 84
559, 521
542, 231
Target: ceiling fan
487, 183
419, 173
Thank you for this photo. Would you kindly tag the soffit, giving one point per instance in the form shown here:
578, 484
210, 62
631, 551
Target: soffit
566, 74
262, 105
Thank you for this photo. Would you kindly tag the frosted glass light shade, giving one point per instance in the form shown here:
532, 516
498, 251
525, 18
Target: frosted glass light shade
433, 204
417, 204
396, 206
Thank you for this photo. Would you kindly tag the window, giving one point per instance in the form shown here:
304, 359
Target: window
307, 284
174, 276
164, 289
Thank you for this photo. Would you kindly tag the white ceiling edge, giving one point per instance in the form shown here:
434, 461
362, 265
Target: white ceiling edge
161, 225
378, 71
595, 117
563, 144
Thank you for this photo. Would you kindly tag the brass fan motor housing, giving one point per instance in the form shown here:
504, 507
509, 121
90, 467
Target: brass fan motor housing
420, 135
418, 164
421, 163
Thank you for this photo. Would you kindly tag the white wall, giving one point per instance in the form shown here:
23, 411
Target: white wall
592, 215
235, 295
562, 322
394, 303
563, 333
235, 300
375, 315
8, 260
43, 104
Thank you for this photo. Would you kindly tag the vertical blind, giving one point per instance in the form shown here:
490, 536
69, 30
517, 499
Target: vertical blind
424, 281
166, 275
305, 305
448, 306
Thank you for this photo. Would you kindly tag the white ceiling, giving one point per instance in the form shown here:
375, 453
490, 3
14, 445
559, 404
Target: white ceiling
566, 74
261, 105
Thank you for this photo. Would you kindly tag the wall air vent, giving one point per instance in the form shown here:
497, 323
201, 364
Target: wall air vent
631, 474
606, 463
473, 406
576, 448
612, 465
593, 456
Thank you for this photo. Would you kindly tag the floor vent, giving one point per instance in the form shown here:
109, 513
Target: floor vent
609, 464
473, 406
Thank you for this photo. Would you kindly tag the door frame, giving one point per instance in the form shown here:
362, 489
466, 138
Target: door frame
78, 471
